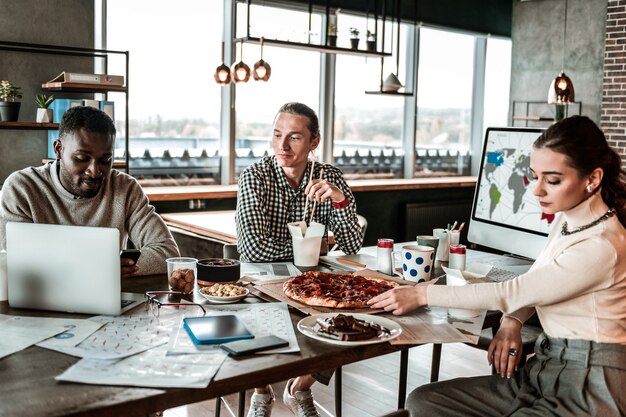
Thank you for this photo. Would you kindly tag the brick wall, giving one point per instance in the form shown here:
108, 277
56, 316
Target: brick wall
613, 107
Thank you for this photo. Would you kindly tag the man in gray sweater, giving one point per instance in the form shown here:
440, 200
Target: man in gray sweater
81, 188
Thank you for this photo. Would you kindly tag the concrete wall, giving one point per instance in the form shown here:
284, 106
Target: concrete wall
537, 50
59, 22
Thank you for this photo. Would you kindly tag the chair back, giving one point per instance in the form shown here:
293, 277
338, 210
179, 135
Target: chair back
230, 251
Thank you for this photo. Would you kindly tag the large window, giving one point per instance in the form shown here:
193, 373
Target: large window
176, 107
445, 79
368, 127
174, 102
497, 82
295, 77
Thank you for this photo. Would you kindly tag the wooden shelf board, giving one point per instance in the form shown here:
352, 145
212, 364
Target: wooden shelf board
116, 164
314, 47
82, 87
535, 118
390, 93
29, 125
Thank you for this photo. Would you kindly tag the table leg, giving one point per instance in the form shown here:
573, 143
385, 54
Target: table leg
338, 392
436, 361
218, 406
242, 404
404, 369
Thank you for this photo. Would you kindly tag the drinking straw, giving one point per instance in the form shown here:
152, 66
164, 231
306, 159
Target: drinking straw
306, 206
315, 202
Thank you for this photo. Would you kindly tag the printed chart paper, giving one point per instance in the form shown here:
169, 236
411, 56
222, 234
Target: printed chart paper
262, 319
19, 332
152, 368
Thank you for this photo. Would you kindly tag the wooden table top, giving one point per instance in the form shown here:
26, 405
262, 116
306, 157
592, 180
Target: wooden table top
217, 225
29, 388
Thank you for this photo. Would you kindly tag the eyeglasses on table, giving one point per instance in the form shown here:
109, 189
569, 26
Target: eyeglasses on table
154, 304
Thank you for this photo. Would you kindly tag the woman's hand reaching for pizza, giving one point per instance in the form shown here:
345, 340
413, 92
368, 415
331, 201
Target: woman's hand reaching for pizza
401, 300
321, 190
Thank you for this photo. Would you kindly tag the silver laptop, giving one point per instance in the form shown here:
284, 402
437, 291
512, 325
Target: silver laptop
64, 268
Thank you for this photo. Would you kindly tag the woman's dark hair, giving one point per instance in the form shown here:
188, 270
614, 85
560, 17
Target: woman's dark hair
300, 109
86, 117
586, 148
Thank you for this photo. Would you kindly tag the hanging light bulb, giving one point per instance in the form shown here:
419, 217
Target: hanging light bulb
561, 89
262, 69
222, 73
240, 71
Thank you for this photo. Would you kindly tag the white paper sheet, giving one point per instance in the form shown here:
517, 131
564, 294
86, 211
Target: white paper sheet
264, 271
126, 335
435, 325
19, 332
76, 331
262, 319
151, 368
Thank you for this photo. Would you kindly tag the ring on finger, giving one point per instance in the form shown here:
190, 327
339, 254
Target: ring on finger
512, 352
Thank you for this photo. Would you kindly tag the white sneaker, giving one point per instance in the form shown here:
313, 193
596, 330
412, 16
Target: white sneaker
301, 403
261, 404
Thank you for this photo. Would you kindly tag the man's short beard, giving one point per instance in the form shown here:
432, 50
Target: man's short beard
75, 189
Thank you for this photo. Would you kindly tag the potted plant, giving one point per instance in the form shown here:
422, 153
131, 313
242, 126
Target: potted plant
44, 114
9, 108
354, 40
332, 34
371, 41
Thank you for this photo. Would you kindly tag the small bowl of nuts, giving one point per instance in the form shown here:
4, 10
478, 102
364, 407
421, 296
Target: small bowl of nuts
181, 274
224, 293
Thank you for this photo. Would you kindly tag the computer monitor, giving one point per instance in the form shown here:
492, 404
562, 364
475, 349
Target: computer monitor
506, 214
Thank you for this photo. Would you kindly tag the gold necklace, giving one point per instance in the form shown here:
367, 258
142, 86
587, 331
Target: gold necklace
599, 220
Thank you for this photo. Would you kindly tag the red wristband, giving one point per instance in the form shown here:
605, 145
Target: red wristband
342, 204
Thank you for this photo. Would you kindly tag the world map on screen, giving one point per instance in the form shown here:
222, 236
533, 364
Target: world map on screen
505, 193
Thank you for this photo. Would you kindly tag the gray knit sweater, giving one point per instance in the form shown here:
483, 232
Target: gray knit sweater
36, 195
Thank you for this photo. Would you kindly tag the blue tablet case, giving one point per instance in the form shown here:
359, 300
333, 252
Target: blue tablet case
216, 329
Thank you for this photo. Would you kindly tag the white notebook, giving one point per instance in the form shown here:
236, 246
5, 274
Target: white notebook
64, 268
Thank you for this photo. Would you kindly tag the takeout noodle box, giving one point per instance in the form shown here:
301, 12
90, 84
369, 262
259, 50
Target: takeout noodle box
212, 270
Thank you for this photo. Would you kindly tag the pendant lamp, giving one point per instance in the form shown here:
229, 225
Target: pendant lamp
240, 71
222, 73
262, 69
392, 82
561, 89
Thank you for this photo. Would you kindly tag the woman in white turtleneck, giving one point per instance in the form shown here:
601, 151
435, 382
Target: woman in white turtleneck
577, 287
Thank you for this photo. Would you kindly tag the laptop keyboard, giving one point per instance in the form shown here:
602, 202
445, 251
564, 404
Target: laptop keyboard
500, 275
127, 302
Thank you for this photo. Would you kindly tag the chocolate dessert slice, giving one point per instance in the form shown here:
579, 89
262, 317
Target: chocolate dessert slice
347, 328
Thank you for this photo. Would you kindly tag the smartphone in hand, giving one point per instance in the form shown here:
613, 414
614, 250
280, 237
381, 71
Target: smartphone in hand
132, 254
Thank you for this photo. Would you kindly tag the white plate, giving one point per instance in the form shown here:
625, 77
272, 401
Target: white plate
306, 325
224, 300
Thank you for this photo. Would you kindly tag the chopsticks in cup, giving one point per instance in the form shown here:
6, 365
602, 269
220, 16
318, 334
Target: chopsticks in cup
306, 206
315, 202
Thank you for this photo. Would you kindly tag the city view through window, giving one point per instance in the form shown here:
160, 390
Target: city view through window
175, 104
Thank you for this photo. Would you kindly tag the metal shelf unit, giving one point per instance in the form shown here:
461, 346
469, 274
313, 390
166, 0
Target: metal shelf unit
73, 51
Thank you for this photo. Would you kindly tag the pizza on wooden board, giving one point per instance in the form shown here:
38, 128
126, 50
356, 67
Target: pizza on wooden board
335, 290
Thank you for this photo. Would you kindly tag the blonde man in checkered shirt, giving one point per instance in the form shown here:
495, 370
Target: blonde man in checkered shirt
275, 191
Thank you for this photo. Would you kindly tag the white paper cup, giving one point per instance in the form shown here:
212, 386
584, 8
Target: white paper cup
416, 262
306, 251
455, 236
444, 244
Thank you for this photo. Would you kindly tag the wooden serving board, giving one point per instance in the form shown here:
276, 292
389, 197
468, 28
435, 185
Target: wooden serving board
274, 289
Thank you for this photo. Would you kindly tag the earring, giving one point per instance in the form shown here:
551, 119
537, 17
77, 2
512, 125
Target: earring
589, 188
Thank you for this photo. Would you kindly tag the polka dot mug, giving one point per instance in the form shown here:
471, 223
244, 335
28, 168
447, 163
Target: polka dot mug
414, 262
